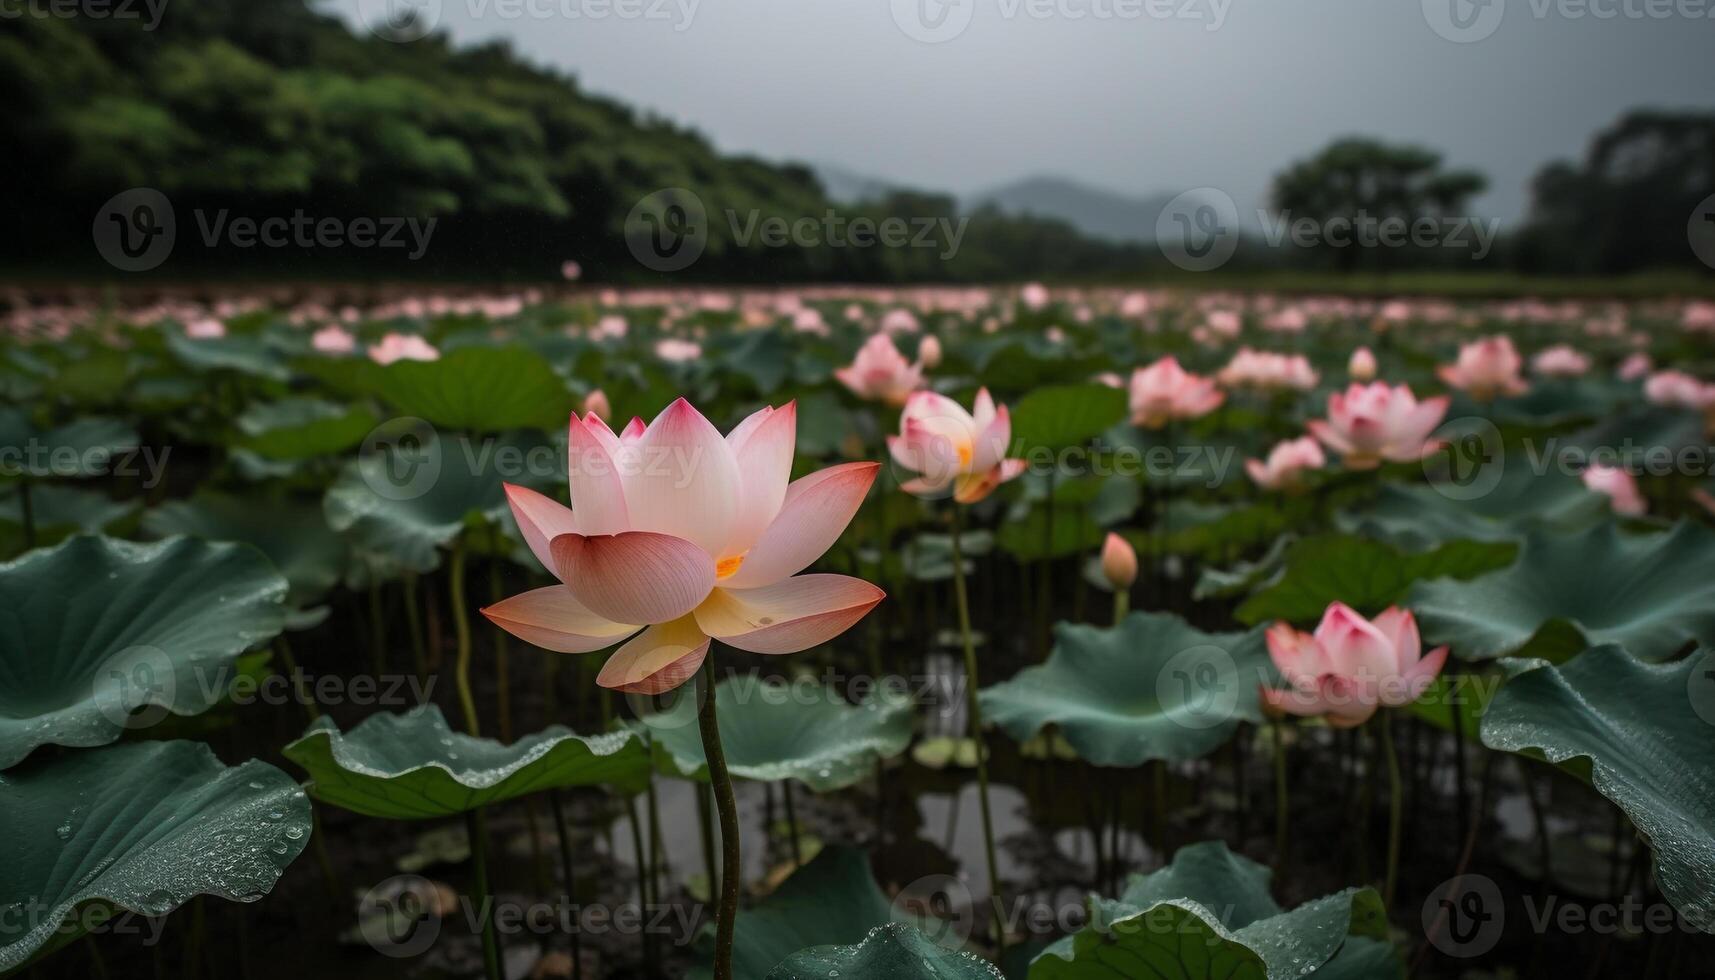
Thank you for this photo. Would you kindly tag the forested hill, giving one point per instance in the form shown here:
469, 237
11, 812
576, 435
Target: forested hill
269, 108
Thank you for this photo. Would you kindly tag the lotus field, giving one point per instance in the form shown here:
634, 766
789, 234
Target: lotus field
884, 635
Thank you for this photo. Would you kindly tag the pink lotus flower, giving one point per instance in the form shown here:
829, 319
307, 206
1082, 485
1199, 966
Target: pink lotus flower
1621, 488
1119, 561
1286, 464
1268, 371
929, 352
402, 347
686, 536
951, 448
1634, 366
596, 403
1164, 392
1350, 666
675, 350
1676, 389
1034, 295
1486, 368
881, 373
571, 271
1560, 361
205, 328
333, 339
1369, 423
1362, 366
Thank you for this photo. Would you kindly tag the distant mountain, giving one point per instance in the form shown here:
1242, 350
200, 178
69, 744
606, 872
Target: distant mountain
846, 187
1095, 212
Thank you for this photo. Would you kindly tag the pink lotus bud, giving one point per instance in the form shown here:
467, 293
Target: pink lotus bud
595, 403
1362, 366
1119, 562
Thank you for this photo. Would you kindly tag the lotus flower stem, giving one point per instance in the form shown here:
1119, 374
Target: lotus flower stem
476, 826
414, 621
503, 686
705, 824
1282, 807
792, 824
1122, 605
727, 807
974, 709
567, 872
1393, 812
461, 627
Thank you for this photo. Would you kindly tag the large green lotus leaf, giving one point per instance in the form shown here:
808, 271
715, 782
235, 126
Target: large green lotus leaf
245, 355
95, 628
84, 447
1151, 687
411, 766
1653, 593
773, 729
479, 389
1367, 575
295, 536
892, 952
1417, 517
1208, 916
1362, 959
408, 496
1244, 576
1646, 730
1059, 416
143, 827
1643, 429
1548, 402
831, 901
302, 428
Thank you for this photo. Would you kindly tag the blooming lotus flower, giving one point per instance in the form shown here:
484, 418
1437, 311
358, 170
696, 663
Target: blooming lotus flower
881, 373
571, 271
205, 328
402, 347
675, 350
1362, 366
1559, 361
1350, 666
676, 536
1486, 368
929, 352
952, 448
1369, 423
1286, 464
1634, 366
1223, 323
1676, 389
1267, 371
1034, 295
1119, 561
1621, 488
333, 339
1164, 391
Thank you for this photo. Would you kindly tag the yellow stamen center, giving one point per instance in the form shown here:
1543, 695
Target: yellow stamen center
727, 567
965, 455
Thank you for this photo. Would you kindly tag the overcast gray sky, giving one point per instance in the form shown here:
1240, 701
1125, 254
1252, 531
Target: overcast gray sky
1138, 96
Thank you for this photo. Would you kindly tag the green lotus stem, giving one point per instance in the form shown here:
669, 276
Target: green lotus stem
1122, 604
566, 871
727, 807
476, 827
652, 808
377, 630
27, 512
496, 593
414, 620
461, 627
1393, 812
974, 709
705, 825
792, 823
1281, 808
